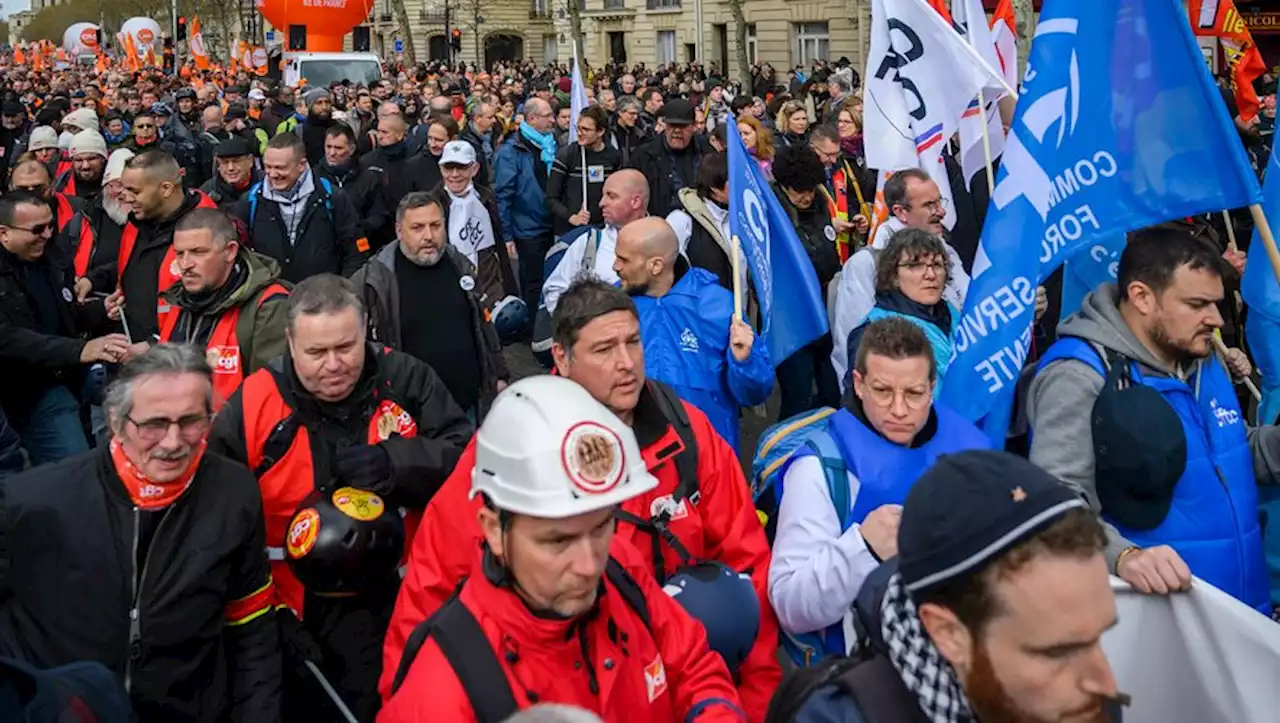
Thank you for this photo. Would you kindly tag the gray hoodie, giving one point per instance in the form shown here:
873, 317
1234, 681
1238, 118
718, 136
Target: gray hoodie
1060, 402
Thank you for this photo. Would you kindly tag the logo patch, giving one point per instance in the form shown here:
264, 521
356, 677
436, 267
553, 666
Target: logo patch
173, 268
667, 506
223, 359
302, 533
358, 504
467, 283
829, 232
592, 457
688, 341
655, 678
595, 174
390, 419
66, 295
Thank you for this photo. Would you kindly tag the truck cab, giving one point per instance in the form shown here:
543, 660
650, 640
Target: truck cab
323, 69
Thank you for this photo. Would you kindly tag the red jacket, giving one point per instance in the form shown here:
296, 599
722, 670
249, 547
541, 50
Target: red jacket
657, 674
721, 525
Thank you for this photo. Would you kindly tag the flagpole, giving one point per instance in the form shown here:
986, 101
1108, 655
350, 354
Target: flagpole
583, 149
1231, 231
736, 265
986, 149
1222, 354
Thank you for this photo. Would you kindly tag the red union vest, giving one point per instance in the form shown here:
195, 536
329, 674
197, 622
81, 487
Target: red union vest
84, 247
168, 267
65, 211
223, 350
292, 476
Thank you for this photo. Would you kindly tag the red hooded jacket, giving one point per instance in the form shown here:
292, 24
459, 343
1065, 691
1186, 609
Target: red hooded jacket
663, 672
721, 524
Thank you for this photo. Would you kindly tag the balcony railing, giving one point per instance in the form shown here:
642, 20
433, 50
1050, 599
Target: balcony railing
662, 4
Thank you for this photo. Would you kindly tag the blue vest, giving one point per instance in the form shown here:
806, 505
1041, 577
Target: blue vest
939, 341
885, 472
1213, 518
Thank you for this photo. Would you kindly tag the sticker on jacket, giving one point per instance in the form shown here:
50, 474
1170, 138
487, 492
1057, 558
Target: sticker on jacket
223, 359
392, 419
302, 533
667, 506
655, 678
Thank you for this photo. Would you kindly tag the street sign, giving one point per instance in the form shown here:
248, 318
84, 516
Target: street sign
399, 45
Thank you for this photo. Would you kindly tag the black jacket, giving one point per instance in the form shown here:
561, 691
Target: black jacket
364, 187
226, 195
327, 234
68, 585
495, 275
484, 177
668, 171
817, 236
381, 292
399, 172
625, 140
142, 272
36, 362
106, 244
564, 184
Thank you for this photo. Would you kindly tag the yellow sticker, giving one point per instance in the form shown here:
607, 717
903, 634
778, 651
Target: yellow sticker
302, 533
358, 504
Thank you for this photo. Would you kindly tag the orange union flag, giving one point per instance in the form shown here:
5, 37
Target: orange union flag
1220, 19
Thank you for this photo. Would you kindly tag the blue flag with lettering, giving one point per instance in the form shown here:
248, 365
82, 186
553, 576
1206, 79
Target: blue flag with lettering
792, 309
1095, 264
1118, 127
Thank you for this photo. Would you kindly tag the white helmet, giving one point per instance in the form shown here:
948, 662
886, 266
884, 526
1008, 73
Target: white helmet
548, 449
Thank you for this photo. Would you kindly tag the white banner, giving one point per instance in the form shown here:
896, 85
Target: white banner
1199, 657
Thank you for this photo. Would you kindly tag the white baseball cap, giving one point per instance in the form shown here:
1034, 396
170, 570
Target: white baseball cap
458, 153
550, 450
257, 94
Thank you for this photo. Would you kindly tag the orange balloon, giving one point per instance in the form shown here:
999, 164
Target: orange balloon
327, 21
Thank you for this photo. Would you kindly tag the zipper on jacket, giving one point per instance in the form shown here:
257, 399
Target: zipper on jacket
135, 613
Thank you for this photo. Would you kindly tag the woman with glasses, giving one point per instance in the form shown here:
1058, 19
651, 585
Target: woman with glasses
849, 126
577, 177
911, 273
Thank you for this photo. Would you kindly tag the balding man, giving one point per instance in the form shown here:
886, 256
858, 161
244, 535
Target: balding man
693, 340
520, 171
589, 249
146, 265
391, 160
32, 176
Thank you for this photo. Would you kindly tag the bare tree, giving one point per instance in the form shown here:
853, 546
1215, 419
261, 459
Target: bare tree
575, 27
1025, 19
406, 31
740, 37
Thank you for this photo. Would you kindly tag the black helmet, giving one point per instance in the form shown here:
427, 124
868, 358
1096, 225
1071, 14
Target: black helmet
184, 93
340, 541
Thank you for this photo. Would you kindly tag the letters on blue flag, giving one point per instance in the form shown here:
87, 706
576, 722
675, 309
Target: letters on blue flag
792, 310
1096, 264
1118, 127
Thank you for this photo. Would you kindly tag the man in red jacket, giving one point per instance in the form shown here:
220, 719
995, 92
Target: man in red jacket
554, 611
700, 510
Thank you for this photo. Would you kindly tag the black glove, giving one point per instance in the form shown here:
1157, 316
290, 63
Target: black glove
298, 644
366, 467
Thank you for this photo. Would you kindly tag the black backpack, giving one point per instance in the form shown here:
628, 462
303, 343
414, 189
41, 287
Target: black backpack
462, 642
686, 462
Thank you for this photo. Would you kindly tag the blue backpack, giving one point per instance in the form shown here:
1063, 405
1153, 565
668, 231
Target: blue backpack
256, 190
781, 442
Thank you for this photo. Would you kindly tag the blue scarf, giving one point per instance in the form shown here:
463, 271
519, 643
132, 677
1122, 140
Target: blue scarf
544, 141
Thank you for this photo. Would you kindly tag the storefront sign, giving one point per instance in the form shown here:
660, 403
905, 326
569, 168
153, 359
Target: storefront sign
1262, 22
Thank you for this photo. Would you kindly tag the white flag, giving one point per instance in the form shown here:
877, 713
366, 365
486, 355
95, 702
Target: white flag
920, 79
577, 98
971, 20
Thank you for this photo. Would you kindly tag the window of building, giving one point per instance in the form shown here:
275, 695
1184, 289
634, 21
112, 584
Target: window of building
661, 4
666, 46
550, 51
812, 42
753, 46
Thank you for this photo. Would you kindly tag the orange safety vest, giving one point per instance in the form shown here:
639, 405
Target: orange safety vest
838, 206
84, 247
65, 211
168, 267
287, 481
68, 185
223, 350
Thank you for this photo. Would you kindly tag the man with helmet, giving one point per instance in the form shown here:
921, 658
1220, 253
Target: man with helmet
552, 602
337, 412
425, 300
700, 511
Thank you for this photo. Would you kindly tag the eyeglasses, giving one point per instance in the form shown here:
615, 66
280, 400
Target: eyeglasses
37, 190
144, 126
39, 229
935, 206
914, 399
919, 267
190, 428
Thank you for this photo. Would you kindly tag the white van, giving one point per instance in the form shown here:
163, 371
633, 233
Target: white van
323, 69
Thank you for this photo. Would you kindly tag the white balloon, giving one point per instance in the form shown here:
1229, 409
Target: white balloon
145, 32
81, 38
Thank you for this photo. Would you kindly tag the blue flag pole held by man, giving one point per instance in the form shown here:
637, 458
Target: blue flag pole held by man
792, 310
1118, 127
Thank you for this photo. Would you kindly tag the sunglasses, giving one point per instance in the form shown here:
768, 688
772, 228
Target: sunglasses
144, 126
38, 230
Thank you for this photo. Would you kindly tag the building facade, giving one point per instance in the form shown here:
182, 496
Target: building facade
783, 33
18, 21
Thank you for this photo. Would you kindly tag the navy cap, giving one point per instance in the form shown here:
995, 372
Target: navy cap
968, 510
